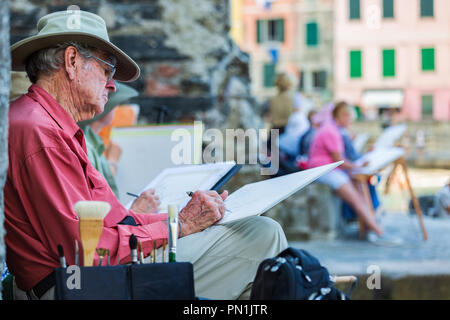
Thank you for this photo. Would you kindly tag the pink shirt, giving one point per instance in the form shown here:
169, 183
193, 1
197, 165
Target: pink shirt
49, 171
327, 139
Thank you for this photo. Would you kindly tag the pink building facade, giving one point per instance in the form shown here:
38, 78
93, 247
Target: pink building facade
299, 33
393, 53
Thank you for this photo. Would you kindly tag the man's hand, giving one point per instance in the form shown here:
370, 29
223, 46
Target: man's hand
148, 202
203, 210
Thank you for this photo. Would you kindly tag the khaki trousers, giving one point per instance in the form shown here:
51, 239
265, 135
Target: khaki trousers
225, 257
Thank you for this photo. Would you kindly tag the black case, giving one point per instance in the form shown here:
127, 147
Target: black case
152, 281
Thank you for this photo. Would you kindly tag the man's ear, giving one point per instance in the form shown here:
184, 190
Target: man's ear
71, 61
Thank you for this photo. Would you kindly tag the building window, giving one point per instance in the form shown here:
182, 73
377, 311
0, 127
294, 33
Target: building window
388, 8
301, 82
428, 59
270, 30
354, 9
312, 34
427, 106
320, 80
426, 8
355, 64
389, 63
269, 75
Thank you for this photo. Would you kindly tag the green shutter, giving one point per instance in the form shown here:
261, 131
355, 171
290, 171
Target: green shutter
428, 59
426, 8
312, 34
258, 31
269, 75
279, 30
355, 64
388, 8
389, 63
354, 9
427, 105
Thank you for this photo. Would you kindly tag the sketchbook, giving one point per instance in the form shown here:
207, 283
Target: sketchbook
171, 184
378, 159
389, 136
258, 197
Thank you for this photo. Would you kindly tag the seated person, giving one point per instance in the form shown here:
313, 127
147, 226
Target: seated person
305, 141
442, 202
49, 171
351, 154
327, 147
94, 144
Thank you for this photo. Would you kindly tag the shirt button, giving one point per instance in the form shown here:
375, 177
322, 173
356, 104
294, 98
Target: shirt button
76, 217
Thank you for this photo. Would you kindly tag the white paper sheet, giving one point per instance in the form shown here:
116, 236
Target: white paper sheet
172, 184
378, 159
256, 198
389, 136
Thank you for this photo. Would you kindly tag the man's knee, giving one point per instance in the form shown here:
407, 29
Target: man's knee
269, 231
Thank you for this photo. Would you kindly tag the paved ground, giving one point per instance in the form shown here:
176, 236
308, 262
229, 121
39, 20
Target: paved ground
415, 257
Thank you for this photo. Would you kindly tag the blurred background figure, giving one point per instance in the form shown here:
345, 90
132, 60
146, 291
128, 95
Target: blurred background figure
282, 105
297, 125
327, 147
442, 202
95, 146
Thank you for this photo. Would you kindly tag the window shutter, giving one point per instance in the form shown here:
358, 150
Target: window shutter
427, 105
312, 38
426, 8
354, 8
428, 59
388, 8
355, 64
279, 30
258, 31
389, 63
269, 75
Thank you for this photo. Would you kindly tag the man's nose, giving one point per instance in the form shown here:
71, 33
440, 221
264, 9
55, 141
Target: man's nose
111, 86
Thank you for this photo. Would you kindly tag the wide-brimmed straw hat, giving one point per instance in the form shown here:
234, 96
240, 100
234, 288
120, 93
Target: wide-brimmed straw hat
122, 94
73, 26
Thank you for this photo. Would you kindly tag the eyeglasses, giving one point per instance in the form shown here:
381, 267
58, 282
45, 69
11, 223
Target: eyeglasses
109, 73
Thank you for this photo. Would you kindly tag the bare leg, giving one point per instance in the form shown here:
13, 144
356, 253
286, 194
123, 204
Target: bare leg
350, 195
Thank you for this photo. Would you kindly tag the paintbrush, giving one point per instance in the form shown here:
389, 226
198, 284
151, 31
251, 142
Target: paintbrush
62, 258
91, 215
133, 250
164, 249
173, 231
76, 252
154, 252
109, 257
141, 253
101, 253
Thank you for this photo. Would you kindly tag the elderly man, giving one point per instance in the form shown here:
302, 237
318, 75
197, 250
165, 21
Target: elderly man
72, 68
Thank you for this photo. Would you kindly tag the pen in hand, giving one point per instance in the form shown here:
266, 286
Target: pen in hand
132, 194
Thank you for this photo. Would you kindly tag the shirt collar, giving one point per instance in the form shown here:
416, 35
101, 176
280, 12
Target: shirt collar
54, 109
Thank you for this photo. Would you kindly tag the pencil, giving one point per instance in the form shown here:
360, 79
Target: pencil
132, 194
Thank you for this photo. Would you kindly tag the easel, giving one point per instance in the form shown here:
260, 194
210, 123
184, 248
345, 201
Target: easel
363, 180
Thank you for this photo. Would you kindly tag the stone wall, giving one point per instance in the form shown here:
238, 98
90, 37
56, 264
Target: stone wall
4, 106
190, 66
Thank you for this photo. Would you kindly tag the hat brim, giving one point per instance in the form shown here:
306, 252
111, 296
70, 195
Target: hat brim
126, 71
